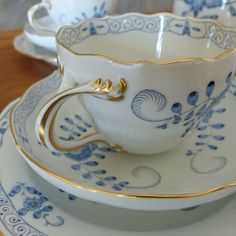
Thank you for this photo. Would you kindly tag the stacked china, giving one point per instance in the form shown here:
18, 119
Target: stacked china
140, 113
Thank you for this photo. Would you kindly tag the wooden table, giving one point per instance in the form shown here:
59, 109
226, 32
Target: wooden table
17, 72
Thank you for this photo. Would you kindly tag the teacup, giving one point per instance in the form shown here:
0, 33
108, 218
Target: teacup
160, 75
224, 11
69, 12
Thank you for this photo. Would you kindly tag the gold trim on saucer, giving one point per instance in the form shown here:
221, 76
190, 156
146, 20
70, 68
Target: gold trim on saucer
181, 60
120, 194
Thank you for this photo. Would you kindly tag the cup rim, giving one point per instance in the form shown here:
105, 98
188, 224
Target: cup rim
142, 62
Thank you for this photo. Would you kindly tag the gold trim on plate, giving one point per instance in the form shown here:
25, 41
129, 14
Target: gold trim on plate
120, 194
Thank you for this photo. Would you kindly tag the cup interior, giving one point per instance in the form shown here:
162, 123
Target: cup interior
161, 37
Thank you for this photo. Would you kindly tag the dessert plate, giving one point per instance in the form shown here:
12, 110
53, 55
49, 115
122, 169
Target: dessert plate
44, 40
26, 47
200, 171
31, 206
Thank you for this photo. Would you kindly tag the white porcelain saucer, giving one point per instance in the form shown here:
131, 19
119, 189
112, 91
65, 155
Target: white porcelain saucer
44, 40
31, 206
200, 171
24, 46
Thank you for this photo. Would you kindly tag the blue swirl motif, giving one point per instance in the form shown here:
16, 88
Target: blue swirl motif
206, 30
146, 106
197, 6
148, 101
87, 160
33, 202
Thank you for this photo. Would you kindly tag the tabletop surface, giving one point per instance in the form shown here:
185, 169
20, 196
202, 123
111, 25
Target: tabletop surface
18, 72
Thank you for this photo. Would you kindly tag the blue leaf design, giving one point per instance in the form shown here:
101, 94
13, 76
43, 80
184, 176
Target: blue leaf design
189, 153
117, 187
123, 184
23, 211
91, 163
203, 136
37, 214
87, 176
110, 178
88, 125
210, 88
200, 144
16, 189
47, 208
76, 167
32, 190
193, 98
212, 147
218, 126
218, 137
78, 117
76, 134
64, 128
220, 110
69, 121
71, 197
176, 108
81, 128
99, 156
100, 183
99, 172
202, 128
43, 199
163, 126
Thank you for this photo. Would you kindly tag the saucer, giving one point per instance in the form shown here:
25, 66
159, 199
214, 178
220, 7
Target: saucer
200, 171
24, 46
31, 206
44, 40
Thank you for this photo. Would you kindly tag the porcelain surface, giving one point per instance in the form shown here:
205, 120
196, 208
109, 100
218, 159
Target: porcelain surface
31, 206
223, 11
201, 170
67, 14
44, 40
168, 90
24, 46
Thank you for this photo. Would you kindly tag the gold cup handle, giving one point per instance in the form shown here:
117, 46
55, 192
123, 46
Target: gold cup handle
45, 121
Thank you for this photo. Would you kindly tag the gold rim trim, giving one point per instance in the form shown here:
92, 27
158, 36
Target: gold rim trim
181, 60
104, 88
90, 189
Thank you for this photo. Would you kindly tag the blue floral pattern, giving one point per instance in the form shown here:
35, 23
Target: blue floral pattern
190, 118
206, 134
98, 12
197, 6
34, 203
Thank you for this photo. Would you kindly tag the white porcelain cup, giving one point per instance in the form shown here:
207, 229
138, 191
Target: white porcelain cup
160, 75
223, 11
68, 12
